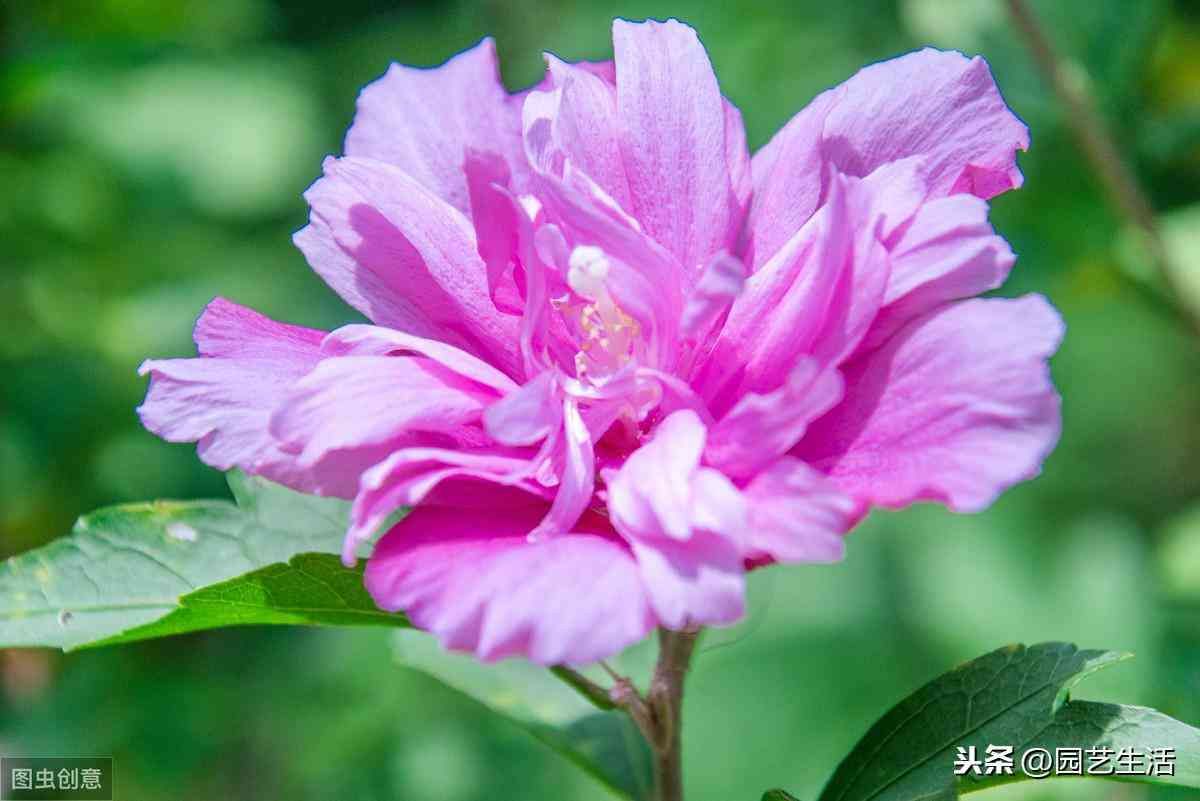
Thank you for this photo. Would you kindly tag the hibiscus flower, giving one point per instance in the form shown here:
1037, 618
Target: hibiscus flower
615, 362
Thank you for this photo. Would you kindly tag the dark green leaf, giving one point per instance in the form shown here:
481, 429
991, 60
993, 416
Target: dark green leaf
313, 589
605, 745
778, 795
127, 566
1015, 696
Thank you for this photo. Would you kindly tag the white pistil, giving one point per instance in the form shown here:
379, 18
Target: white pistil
587, 270
608, 335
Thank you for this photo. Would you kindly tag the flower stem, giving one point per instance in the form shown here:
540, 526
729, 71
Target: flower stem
666, 704
658, 713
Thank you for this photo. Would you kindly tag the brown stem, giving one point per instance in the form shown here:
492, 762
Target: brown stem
658, 714
1100, 149
666, 702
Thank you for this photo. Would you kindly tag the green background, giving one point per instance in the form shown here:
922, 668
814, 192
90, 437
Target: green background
152, 155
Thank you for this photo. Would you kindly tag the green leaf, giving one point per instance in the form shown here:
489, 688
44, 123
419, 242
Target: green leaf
1015, 696
778, 795
128, 566
312, 589
606, 745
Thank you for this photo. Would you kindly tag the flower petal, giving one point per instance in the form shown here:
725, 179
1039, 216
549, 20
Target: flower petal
797, 515
947, 252
674, 143
223, 401
585, 128
685, 523
787, 177
349, 403
496, 226
762, 427
956, 407
780, 310
404, 258
227, 330
938, 105
816, 296
372, 340
528, 414
935, 103
473, 579
577, 480
651, 495
700, 582
423, 475
719, 284
423, 121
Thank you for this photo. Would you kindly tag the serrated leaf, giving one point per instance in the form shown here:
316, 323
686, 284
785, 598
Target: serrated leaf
312, 589
127, 566
606, 745
1015, 696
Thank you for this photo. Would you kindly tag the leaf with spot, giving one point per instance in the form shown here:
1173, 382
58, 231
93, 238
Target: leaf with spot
128, 566
149, 570
1015, 696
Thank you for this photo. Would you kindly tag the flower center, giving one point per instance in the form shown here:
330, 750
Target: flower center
606, 335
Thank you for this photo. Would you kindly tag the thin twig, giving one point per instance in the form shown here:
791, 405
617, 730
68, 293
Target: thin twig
1101, 151
627, 697
612, 674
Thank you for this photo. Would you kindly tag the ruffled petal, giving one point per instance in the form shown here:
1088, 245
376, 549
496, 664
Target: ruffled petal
956, 407
497, 227
700, 582
577, 479
797, 515
947, 252
584, 128
685, 523
474, 579
404, 258
817, 296
230, 331
741, 179
452, 478
424, 120
780, 310
518, 280
224, 400
528, 414
651, 495
940, 106
372, 340
719, 285
351, 403
762, 427
379, 390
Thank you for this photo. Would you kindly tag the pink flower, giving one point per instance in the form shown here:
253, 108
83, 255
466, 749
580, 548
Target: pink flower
614, 360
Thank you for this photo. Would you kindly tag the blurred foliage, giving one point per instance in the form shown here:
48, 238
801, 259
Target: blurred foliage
153, 153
